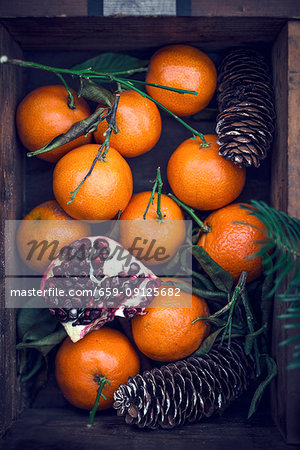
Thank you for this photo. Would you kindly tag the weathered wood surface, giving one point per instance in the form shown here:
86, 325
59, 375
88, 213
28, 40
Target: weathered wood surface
66, 428
204, 8
246, 8
11, 195
134, 33
43, 8
285, 191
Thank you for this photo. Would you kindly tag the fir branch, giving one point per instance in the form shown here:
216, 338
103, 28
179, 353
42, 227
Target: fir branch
292, 321
284, 240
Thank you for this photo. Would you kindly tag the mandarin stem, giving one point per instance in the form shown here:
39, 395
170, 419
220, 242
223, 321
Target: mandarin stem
151, 198
236, 293
103, 381
167, 88
112, 126
159, 188
195, 132
204, 228
71, 102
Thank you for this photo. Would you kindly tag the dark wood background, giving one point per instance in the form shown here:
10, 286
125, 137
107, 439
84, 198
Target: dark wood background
262, 24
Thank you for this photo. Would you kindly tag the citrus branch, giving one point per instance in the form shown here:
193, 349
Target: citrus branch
103, 381
204, 228
103, 149
88, 73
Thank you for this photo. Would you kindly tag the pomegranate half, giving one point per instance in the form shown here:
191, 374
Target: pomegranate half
94, 279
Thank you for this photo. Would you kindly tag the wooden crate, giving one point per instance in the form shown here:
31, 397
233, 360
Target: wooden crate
70, 30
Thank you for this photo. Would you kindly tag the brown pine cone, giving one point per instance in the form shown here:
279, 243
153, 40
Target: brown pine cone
185, 391
245, 124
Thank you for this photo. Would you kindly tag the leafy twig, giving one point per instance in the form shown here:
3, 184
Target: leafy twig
102, 152
284, 240
284, 237
89, 73
195, 132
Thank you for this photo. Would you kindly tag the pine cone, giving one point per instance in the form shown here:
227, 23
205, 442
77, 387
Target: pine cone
245, 124
185, 391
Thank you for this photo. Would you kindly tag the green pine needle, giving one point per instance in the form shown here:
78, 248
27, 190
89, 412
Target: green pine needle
284, 240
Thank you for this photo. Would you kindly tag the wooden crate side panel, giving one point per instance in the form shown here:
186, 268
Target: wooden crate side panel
11, 195
103, 34
293, 119
249, 8
285, 196
202, 8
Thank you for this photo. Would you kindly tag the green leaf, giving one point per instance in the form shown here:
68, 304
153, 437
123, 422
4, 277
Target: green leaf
39, 333
30, 315
37, 365
112, 63
92, 91
221, 279
271, 373
213, 295
203, 280
249, 341
22, 361
44, 344
207, 344
83, 127
267, 302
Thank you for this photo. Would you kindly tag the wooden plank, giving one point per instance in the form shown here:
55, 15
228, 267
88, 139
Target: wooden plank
11, 194
67, 428
293, 119
43, 8
203, 8
134, 33
249, 8
285, 190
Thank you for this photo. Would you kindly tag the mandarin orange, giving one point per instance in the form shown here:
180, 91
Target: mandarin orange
167, 332
160, 239
203, 179
107, 190
139, 124
44, 114
182, 67
50, 228
232, 245
80, 366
